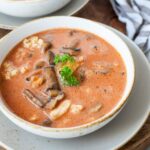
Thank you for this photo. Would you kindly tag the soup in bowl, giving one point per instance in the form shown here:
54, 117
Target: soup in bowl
64, 80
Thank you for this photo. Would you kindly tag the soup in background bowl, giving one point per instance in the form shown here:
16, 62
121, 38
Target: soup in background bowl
64, 81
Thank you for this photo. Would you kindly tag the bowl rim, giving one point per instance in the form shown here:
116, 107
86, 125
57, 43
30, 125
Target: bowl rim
115, 110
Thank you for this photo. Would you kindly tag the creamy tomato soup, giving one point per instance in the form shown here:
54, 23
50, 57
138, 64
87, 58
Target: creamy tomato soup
62, 78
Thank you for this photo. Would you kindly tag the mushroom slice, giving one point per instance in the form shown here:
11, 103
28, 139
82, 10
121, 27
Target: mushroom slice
60, 110
46, 46
33, 99
103, 71
47, 123
50, 57
53, 88
53, 102
39, 64
71, 48
70, 51
51, 78
102, 67
80, 73
52, 70
74, 43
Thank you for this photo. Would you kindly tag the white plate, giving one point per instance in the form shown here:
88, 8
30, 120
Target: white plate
112, 136
9, 22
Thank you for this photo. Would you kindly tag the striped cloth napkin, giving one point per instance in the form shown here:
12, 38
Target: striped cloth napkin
136, 15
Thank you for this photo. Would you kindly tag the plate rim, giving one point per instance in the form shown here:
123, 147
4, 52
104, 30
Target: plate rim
148, 66
120, 34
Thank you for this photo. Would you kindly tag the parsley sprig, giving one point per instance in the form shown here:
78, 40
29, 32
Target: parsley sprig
66, 73
67, 77
63, 58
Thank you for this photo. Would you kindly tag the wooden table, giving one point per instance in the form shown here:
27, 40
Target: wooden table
101, 11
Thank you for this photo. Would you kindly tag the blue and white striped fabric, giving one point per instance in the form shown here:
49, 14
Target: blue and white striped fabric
136, 15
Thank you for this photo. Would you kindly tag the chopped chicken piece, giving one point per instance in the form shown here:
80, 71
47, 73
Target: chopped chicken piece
33, 42
96, 108
75, 109
14, 72
33, 117
24, 69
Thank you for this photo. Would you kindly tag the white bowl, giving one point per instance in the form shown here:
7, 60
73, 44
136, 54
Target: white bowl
30, 8
68, 22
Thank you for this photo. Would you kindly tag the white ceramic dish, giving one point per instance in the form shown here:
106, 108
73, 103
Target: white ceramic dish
69, 22
30, 8
9, 22
4, 146
110, 137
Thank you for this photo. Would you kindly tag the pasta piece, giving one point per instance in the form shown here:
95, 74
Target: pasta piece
60, 110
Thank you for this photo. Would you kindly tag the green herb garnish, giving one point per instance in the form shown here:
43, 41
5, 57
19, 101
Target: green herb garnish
67, 77
66, 72
63, 58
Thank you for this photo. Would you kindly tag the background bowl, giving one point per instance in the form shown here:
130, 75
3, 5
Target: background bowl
30, 8
68, 22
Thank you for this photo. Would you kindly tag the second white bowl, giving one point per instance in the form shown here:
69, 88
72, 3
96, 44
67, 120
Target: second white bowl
30, 8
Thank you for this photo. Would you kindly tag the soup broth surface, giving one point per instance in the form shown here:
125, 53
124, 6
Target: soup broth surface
98, 67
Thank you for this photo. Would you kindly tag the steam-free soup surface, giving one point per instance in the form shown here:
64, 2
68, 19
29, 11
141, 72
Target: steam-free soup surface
97, 67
